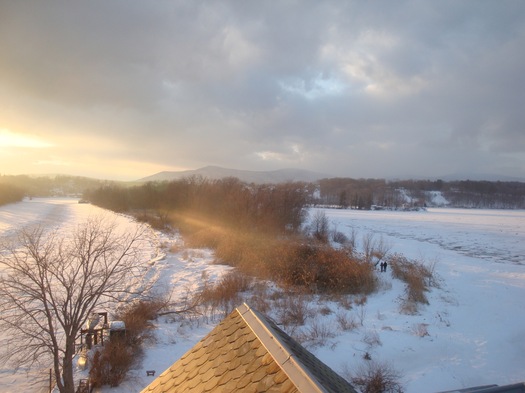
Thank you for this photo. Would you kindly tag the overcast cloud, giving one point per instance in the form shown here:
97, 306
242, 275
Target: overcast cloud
124, 89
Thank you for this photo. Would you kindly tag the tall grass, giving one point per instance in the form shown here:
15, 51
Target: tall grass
321, 268
224, 295
417, 277
291, 262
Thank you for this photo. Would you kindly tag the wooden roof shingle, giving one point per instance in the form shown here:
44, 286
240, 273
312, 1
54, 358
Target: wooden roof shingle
247, 352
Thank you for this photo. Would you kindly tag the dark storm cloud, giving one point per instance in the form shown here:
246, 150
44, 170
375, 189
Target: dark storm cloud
349, 88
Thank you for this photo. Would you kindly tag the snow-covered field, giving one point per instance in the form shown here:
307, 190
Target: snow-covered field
475, 320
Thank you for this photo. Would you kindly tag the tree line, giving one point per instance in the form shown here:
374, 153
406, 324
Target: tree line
45, 186
365, 193
341, 192
10, 194
228, 201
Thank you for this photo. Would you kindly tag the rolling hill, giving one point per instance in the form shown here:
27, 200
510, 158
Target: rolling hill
259, 177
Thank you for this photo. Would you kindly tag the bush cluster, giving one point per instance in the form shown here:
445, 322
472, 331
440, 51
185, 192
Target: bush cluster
111, 363
416, 275
292, 262
224, 294
377, 377
322, 268
10, 194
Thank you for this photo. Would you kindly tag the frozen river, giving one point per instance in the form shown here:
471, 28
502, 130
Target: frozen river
494, 235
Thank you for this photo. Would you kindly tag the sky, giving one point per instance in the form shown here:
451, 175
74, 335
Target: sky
123, 89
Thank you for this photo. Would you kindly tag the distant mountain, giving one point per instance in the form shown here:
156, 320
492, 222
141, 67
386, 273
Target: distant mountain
258, 177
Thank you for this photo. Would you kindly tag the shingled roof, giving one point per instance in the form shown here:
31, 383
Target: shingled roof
247, 352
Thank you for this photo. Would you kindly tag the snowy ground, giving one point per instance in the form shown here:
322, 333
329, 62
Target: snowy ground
475, 321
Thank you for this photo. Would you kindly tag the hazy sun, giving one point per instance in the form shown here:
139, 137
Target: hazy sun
11, 139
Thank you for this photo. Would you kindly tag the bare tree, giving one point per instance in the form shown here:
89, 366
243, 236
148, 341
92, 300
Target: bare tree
320, 226
51, 284
369, 243
375, 251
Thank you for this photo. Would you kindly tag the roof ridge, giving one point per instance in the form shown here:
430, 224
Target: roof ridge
290, 363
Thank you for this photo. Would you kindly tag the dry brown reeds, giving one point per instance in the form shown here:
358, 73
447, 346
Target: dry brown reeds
321, 268
417, 277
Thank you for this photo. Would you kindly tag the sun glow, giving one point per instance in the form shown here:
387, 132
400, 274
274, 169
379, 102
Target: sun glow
11, 139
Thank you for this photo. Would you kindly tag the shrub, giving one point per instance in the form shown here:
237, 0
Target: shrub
345, 321
111, 363
320, 226
408, 307
416, 275
10, 193
224, 294
323, 269
325, 310
317, 334
345, 301
377, 377
137, 316
292, 309
371, 338
361, 314
339, 237
260, 298
152, 217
